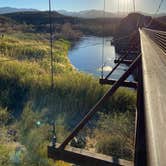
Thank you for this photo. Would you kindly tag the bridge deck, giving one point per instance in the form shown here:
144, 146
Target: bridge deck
154, 78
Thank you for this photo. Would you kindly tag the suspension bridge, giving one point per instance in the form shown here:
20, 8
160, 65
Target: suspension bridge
150, 64
150, 144
150, 134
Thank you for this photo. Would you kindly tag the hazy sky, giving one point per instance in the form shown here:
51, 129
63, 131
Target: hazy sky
77, 5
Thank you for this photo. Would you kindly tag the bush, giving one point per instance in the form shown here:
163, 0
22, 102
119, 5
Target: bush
4, 116
115, 146
115, 135
26, 85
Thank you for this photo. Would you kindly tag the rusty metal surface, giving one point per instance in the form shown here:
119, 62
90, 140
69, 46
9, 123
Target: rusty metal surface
85, 158
124, 84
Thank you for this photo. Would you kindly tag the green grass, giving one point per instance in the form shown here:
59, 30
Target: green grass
25, 85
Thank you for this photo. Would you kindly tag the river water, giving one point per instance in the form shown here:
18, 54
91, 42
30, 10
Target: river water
86, 56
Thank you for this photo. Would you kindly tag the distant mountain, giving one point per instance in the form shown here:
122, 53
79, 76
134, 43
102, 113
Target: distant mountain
161, 15
5, 10
131, 23
153, 15
99, 14
91, 14
162, 19
38, 17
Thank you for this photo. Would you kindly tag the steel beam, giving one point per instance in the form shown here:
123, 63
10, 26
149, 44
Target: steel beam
100, 102
124, 61
120, 61
85, 158
124, 84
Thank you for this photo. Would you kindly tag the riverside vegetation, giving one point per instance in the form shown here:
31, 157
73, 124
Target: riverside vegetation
28, 105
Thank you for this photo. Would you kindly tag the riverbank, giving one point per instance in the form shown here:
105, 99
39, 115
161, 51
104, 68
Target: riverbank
86, 56
25, 85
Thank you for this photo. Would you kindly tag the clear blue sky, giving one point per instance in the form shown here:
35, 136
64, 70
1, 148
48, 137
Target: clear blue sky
77, 5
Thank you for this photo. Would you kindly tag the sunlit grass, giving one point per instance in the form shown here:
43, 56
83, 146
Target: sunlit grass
25, 85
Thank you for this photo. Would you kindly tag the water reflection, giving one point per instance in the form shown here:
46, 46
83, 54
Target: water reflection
86, 56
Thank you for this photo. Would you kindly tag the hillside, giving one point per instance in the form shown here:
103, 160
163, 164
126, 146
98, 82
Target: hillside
129, 26
9, 25
91, 14
40, 20
162, 19
5, 20
4, 10
135, 20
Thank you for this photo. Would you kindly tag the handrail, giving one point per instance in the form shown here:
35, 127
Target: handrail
159, 37
153, 30
154, 97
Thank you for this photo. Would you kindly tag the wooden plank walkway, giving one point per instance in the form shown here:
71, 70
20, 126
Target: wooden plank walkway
154, 80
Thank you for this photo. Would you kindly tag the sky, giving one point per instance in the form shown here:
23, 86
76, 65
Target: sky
149, 6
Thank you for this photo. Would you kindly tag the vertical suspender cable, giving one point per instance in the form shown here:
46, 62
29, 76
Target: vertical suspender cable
118, 8
124, 7
131, 7
51, 45
134, 5
53, 23
103, 45
157, 10
127, 7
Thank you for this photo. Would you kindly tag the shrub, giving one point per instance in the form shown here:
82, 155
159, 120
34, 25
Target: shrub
73, 94
115, 146
4, 116
115, 135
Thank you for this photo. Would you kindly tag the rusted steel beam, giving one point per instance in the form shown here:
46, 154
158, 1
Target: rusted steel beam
121, 60
85, 158
124, 84
124, 61
100, 103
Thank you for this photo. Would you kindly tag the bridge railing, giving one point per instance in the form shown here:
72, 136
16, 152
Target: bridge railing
159, 37
151, 117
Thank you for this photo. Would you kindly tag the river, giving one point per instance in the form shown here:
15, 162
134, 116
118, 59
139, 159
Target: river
86, 56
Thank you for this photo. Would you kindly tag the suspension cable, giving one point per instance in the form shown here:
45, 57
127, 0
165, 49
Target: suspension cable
156, 12
103, 45
159, 7
126, 7
118, 8
51, 44
134, 6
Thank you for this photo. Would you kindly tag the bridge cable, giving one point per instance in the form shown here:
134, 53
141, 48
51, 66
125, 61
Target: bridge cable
103, 44
53, 21
118, 8
155, 14
134, 6
126, 7
51, 44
